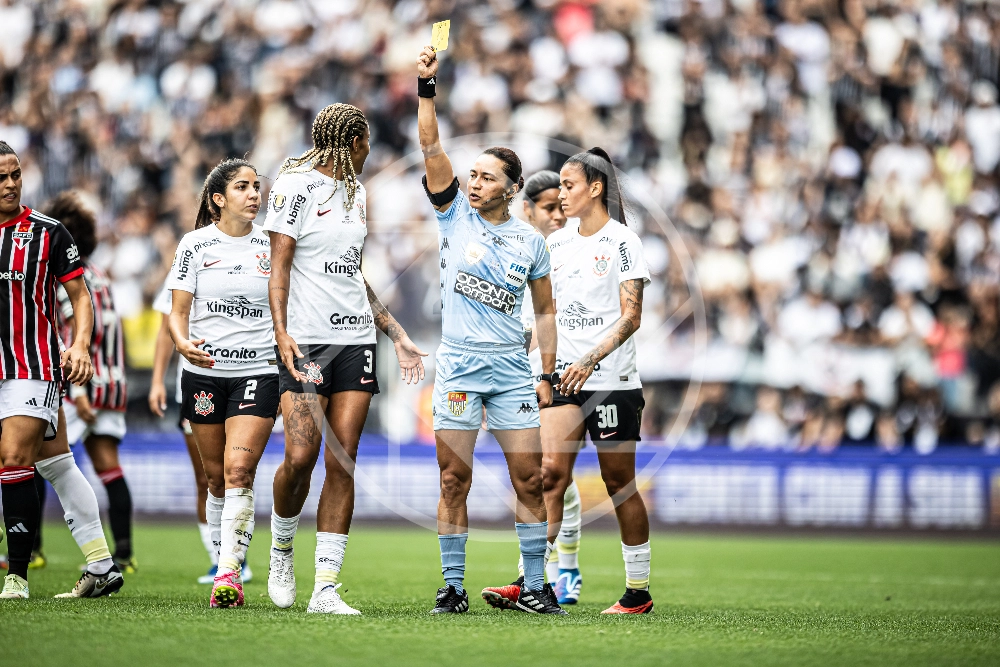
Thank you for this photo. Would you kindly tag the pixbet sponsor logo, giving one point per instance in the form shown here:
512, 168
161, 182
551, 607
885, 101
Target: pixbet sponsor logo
12, 275
226, 353
207, 244
239, 306
577, 316
264, 242
338, 320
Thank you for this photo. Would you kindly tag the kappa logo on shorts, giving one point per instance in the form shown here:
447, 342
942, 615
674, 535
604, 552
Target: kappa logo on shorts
457, 401
313, 372
203, 404
526, 407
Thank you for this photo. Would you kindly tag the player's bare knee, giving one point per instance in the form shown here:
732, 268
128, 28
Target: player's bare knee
454, 487
618, 484
554, 480
240, 477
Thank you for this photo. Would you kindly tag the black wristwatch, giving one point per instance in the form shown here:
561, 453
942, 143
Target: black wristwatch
551, 378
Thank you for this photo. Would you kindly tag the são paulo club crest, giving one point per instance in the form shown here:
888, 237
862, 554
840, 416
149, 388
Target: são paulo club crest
313, 372
457, 400
203, 404
602, 265
263, 264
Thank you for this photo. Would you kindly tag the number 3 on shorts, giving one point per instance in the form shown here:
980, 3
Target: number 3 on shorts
607, 416
251, 388
368, 365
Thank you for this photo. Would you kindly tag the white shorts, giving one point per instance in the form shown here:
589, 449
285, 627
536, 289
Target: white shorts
31, 398
109, 422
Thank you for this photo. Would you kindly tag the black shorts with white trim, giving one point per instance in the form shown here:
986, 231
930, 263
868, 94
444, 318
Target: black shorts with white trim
611, 416
209, 399
331, 369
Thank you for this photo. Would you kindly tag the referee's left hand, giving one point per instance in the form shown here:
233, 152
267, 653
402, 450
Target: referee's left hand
543, 391
77, 365
411, 366
573, 379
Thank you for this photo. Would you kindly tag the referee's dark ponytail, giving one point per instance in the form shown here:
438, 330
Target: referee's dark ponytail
216, 183
597, 166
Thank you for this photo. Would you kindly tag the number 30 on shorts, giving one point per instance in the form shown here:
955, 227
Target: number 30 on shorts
607, 416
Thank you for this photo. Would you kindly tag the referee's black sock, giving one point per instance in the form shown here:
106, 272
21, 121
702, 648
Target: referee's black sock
41, 491
21, 513
119, 511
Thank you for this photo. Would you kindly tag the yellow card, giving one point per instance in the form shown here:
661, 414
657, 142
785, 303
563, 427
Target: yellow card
439, 35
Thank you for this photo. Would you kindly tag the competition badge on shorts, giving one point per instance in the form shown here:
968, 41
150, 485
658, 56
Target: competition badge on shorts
457, 400
264, 264
203, 404
602, 265
313, 372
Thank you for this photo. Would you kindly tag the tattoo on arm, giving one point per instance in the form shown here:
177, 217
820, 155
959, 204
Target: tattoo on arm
631, 296
384, 320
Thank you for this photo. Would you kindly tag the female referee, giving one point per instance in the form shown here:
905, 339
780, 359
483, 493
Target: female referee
325, 315
488, 258
221, 324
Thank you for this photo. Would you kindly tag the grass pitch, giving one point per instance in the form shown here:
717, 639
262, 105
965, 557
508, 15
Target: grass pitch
719, 600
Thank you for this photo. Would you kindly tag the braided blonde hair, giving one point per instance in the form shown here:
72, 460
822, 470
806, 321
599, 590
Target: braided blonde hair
335, 127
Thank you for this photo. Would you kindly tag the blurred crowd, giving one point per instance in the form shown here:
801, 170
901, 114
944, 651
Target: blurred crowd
828, 269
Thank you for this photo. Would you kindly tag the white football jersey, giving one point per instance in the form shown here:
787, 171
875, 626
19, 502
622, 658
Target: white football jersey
528, 322
586, 273
228, 277
327, 300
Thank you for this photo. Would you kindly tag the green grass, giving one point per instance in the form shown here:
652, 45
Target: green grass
719, 600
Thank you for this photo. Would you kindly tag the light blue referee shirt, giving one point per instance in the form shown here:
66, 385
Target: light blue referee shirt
485, 270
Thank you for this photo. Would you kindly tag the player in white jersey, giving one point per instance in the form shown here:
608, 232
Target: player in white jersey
543, 209
157, 405
325, 316
489, 260
598, 277
221, 325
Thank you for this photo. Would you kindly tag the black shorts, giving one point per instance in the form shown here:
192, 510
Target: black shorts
212, 400
331, 369
611, 416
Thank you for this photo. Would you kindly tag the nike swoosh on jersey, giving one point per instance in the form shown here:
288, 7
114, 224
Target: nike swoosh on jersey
247, 405
322, 213
366, 381
607, 435
208, 264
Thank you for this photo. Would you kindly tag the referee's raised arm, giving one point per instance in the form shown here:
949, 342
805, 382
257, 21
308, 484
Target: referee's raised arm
440, 181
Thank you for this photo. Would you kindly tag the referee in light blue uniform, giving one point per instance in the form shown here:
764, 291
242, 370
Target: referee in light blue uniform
488, 259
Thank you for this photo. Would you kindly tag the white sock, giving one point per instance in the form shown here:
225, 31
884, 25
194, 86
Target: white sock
80, 509
636, 565
237, 529
206, 540
283, 530
330, 548
520, 565
551, 563
213, 512
568, 542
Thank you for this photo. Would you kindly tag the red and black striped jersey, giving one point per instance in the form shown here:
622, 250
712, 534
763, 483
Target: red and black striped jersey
107, 389
35, 252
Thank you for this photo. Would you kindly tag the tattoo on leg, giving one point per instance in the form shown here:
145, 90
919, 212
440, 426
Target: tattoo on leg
302, 424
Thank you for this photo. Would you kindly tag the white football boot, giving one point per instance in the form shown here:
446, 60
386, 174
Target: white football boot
281, 578
327, 601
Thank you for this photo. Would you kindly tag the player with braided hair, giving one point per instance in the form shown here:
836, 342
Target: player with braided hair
325, 315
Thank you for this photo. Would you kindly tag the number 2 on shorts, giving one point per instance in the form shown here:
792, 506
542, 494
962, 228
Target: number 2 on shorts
607, 416
251, 388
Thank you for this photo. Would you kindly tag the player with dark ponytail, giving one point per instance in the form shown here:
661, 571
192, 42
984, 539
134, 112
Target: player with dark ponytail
597, 281
489, 260
221, 324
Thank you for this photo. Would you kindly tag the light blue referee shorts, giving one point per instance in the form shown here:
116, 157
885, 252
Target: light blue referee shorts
469, 376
